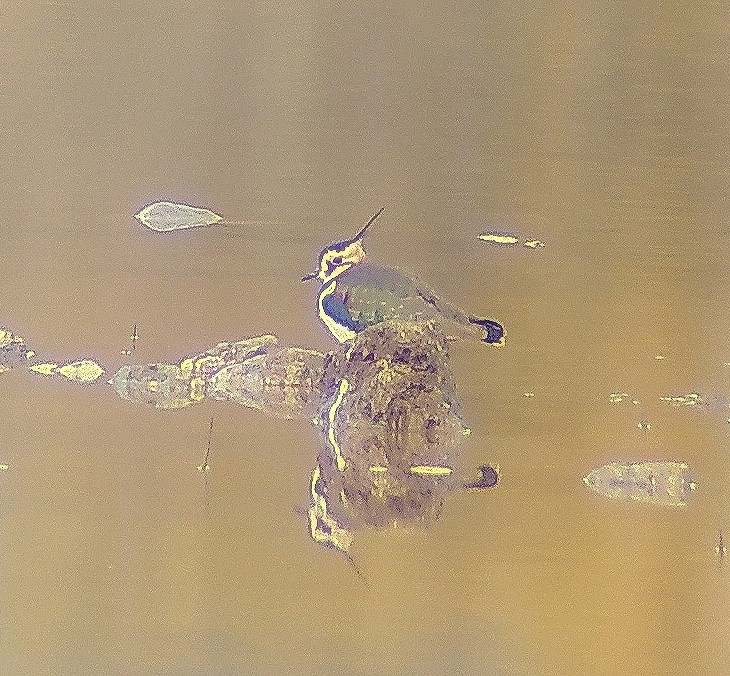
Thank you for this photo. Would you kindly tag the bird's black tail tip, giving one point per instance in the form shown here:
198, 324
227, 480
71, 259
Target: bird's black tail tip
493, 329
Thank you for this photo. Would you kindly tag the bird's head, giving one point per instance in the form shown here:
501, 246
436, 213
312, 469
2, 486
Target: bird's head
341, 256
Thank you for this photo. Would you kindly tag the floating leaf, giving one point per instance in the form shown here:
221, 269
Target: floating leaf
509, 240
431, 470
166, 216
498, 238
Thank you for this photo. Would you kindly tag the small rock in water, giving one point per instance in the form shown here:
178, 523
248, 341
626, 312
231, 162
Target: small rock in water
173, 386
661, 483
47, 369
166, 216
83, 371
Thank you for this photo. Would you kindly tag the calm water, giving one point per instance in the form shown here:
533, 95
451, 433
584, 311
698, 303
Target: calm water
599, 128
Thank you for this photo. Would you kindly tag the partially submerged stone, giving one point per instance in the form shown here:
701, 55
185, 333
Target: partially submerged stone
662, 483
392, 430
285, 384
83, 371
167, 216
163, 386
173, 386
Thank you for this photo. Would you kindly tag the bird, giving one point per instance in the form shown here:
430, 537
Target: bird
355, 295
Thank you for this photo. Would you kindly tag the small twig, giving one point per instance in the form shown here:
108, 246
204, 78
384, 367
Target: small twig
721, 549
204, 467
134, 337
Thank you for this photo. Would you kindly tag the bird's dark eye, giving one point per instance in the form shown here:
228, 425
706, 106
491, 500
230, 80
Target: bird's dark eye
337, 260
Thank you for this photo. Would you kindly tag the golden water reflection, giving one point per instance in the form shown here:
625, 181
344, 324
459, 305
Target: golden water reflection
599, 130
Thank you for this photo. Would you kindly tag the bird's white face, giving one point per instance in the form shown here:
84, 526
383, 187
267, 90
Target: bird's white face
341, 256
334, 260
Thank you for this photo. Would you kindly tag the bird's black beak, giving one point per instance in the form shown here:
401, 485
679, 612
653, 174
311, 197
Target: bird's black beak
362, 232
311, 275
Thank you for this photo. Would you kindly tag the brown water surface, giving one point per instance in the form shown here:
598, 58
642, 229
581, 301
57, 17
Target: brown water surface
599, 128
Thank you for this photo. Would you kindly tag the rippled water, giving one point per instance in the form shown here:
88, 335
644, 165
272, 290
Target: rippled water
599, 129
